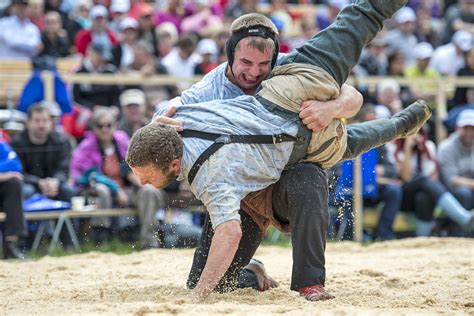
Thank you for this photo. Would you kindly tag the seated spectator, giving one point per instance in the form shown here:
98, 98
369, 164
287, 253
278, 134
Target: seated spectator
422, 53
102, 153
119, 11
45, 155
373, 60
77, 20
97, 60
19, 38
449, 59
149, 199
207, 49
422, 189
168, 35
388, 98
133, 103
98, 32
426, 31
308, 28
328, 15
205, 18
36, 13
144, 62
456, 160
146, 29
180, 62
123, 53
402, 38
461, 96
459, 16
172, 12
11, 201
238, 8
54, 38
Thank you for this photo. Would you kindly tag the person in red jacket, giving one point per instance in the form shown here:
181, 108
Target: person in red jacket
98, 31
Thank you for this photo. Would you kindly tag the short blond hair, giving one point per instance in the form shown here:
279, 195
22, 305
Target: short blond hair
250, 20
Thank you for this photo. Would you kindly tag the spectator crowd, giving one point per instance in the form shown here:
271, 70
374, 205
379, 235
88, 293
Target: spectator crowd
59, 154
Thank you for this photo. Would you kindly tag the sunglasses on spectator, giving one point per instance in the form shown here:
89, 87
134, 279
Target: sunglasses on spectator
105, 125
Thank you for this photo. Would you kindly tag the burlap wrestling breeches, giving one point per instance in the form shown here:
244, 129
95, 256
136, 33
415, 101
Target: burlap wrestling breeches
288, 87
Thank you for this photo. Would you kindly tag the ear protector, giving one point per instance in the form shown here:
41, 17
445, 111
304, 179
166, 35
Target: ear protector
260, 31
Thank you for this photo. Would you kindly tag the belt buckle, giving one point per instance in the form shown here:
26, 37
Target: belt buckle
224, 139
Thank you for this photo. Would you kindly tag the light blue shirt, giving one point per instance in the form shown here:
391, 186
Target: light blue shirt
214, 86
18, 39
234, 170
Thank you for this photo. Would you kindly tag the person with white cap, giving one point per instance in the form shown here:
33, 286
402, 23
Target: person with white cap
98, 31
456, 159
403, 38
465, 95
119, 11
207, 49
422, 53
123, 53
449, 59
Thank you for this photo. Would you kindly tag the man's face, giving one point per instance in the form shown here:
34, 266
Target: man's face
466, 134
154, 176
134, 112
250, 67
40, 125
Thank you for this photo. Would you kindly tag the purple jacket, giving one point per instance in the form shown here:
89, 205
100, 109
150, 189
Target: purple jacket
87, 154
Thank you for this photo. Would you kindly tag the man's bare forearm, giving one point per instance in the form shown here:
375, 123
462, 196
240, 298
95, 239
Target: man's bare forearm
348, 103
223, 248
463, 182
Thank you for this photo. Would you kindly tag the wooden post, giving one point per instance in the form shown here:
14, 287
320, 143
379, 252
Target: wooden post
357, 200
441, 112
48, 80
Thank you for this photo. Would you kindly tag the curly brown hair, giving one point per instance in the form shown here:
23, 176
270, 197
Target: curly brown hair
154, 144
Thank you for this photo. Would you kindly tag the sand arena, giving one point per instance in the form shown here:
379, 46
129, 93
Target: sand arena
411, 276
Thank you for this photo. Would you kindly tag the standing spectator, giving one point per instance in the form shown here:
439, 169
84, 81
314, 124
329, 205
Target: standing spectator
402, 38
456, 160
422, 190
182, 59
449, 59
11, 200
207, 49
45, 155
123, 53
55, 41
19, 38
99, 32
96, 61
461, 96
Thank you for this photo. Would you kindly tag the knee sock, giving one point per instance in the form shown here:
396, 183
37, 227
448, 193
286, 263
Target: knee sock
423, 228
454, 210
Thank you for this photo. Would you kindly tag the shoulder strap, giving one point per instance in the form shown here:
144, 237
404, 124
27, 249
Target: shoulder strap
223, 139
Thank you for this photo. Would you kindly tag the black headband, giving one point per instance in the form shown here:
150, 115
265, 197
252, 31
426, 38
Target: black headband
260, 31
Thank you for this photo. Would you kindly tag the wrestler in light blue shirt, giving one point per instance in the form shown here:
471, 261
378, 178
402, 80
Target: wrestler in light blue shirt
234, 170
